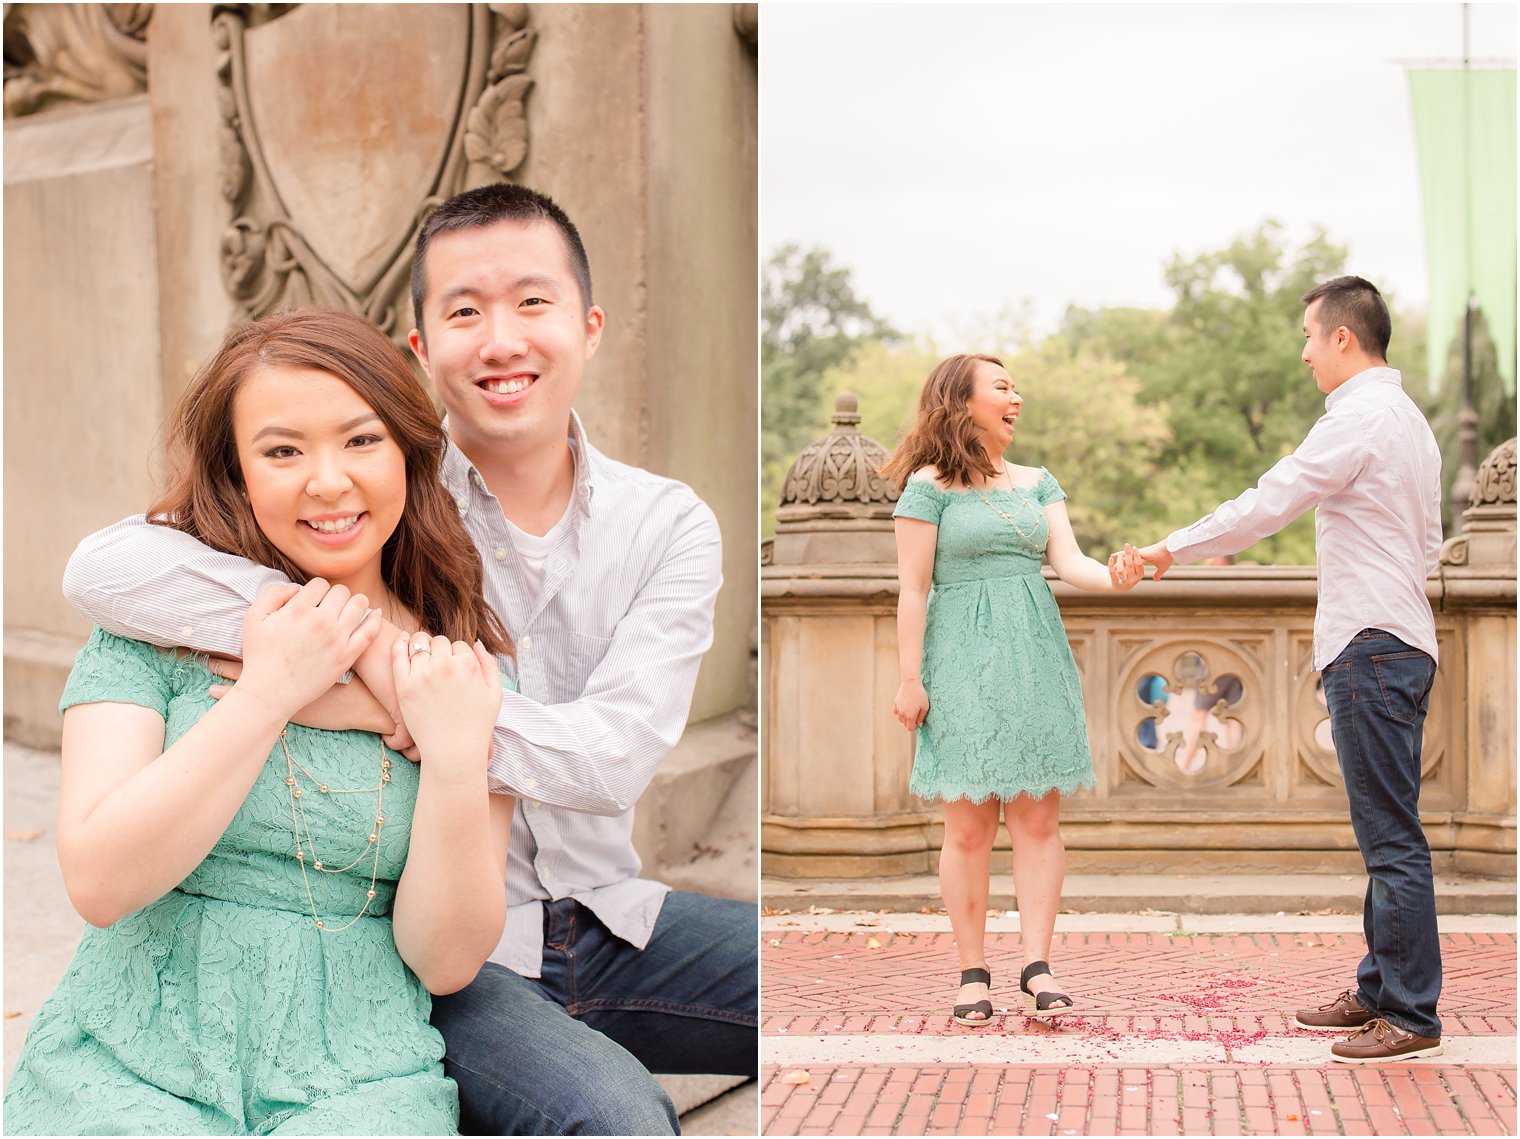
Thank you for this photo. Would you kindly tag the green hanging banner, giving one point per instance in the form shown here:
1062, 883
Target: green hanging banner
1464, 122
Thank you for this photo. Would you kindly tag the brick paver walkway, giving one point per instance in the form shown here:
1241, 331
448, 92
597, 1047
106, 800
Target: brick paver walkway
1180, 1034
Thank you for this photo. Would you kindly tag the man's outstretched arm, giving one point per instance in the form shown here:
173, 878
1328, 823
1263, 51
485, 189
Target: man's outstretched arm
160, 585
1329, 457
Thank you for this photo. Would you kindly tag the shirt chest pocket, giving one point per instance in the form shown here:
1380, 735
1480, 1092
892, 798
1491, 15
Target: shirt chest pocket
586, 652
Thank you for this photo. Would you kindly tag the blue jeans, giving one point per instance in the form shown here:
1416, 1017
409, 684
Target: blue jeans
571, 1052
1378, 691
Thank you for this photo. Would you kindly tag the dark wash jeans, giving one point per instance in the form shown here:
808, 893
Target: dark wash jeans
571, 1053
1378, 691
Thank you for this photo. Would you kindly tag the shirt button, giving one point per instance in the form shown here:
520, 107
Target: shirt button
530, 783
501, 554
461, 502
187, 631
535, 804
524, 643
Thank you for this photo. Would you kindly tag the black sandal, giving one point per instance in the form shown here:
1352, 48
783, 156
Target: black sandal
958, 1013
1045, 1004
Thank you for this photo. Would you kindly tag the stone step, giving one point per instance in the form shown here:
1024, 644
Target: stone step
695, 825
1136, 893
714, 1105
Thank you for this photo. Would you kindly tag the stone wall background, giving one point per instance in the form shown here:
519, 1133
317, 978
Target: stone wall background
134, 134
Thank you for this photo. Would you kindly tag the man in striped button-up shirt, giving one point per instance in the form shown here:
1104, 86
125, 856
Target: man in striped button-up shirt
1372, 468
605, 575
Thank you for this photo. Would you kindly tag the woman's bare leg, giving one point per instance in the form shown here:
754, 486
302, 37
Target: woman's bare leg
1039, 869
965, 869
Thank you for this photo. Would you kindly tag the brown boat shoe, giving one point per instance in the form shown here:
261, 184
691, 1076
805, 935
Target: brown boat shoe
1379, 1042
1339, 1015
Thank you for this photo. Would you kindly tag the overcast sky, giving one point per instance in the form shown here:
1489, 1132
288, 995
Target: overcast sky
962, 159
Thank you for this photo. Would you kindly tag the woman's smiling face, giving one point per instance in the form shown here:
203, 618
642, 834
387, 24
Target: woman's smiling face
325, 478
994, 406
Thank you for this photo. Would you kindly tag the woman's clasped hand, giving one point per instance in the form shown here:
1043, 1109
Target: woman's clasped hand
450, 694
299, 640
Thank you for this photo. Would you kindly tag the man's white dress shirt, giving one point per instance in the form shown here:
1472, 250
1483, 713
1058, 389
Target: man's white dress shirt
608, 646
1372, 467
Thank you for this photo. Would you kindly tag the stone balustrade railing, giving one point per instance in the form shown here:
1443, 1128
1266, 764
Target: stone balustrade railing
1208, 726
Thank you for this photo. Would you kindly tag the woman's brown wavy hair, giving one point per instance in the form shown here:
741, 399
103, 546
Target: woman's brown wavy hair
943, 434
428, 563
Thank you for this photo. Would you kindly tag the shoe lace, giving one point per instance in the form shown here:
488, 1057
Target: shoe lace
1348, 995
1379, 1028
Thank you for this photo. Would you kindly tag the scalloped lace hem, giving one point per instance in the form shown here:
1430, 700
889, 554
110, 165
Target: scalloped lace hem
1002, 794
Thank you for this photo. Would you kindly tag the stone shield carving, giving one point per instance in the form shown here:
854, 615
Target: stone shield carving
343, 126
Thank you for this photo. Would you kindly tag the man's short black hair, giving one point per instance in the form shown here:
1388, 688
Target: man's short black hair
1355, 303
487, 205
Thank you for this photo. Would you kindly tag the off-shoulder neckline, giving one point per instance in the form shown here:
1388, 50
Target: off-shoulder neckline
929, 482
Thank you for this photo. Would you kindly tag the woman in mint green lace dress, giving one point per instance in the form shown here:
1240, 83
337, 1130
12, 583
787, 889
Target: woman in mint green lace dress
271, 902
987, 676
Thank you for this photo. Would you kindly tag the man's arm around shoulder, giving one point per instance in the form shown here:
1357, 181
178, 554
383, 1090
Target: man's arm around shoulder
157, 584
598, 752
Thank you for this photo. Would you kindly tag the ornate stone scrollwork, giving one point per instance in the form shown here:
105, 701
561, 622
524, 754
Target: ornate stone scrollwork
1487, 531
327, 198
1312, 741
1495, 483
842, 466
496, 133
1192, 714
80, 53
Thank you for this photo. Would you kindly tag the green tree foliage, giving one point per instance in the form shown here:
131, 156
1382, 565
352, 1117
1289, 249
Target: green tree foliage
887, 379
1495, 410
811, 320
1150, 419
1226, 361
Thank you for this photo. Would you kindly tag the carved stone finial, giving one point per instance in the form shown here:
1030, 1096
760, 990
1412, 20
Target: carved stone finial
842, 466
1488, 524
1495, 483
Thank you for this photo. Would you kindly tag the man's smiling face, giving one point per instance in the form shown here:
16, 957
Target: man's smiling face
508, 335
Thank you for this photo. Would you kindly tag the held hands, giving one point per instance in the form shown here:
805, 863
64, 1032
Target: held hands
1157, 555
297, 641
1125, 569
450, 694
911, 705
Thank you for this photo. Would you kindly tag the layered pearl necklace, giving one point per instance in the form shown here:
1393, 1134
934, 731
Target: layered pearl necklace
299, 826
994, 507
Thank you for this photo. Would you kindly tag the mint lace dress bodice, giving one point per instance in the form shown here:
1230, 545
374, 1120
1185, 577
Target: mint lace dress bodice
220, 1008
1005, 704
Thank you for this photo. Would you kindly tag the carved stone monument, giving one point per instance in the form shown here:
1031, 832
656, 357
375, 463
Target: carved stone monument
299, 174
172, 169
835, 794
